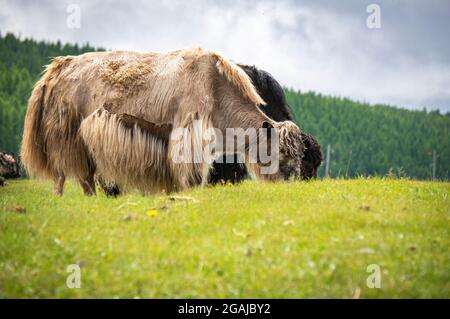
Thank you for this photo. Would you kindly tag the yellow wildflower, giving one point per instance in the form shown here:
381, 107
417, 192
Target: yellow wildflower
152, 213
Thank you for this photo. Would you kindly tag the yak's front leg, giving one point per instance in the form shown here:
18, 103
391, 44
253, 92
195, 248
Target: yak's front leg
59, 181
88, 184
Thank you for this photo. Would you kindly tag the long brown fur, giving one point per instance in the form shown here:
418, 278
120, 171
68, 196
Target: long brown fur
140, 155
238, 77
33, 150
131, 156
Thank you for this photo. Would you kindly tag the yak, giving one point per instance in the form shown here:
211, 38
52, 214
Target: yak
78, 118
276, 108
8, 166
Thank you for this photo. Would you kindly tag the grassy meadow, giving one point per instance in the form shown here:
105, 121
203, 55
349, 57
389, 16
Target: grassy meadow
263, 240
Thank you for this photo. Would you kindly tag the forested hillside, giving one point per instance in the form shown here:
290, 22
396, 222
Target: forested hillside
365, 139
375, 139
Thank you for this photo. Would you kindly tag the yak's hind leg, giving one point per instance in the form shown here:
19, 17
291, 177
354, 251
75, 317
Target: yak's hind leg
88, 184
58, 181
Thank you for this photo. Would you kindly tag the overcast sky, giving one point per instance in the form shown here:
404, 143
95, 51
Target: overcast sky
325, 46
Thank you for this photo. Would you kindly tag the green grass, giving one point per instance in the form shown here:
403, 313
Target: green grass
280, 240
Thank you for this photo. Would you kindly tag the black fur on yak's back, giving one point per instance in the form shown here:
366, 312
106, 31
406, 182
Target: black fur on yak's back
277, 109
271, 92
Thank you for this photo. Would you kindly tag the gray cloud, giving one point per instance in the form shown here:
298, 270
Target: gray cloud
323, 46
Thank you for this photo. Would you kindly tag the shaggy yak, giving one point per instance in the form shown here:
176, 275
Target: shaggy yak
229, 170
111, 113
278, 110
8, 166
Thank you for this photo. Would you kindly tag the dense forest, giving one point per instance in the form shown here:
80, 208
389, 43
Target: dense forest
375, 139
364, 139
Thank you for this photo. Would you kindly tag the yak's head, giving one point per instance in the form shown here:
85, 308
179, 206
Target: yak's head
291, 150
313, 157
8, 166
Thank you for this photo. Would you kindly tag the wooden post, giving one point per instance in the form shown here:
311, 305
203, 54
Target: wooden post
327, 161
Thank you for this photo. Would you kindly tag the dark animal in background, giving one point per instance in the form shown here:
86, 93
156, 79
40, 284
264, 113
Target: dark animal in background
312, 158
277, 109
271, 92
228, 171
8, 166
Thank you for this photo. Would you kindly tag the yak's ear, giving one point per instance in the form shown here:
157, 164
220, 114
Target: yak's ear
161, 131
